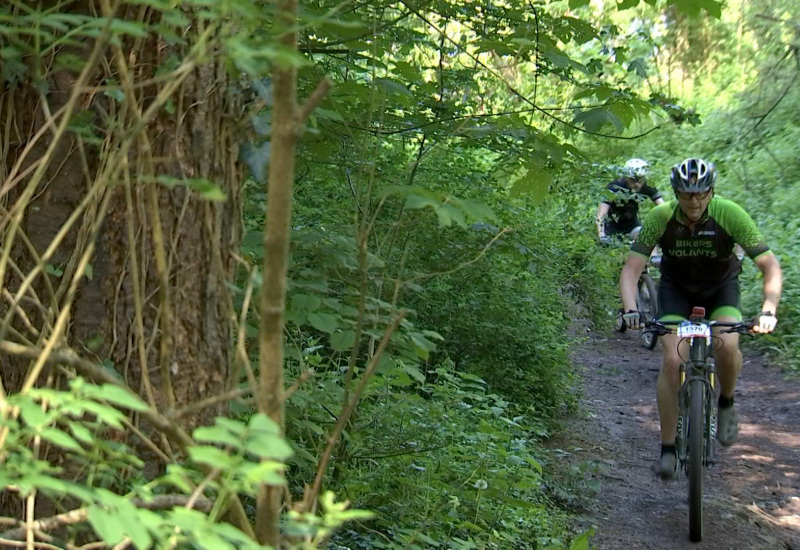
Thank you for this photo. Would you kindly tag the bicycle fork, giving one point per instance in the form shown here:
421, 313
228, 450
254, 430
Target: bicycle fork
690, 371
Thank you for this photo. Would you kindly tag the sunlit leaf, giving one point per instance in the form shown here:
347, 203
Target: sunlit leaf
582, 541
573, 4
216, 434
211, 456
260, 422
61, 439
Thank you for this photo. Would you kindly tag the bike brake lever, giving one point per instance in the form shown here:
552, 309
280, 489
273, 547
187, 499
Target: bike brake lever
657, 328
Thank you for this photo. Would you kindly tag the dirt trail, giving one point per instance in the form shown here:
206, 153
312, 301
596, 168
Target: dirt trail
752, 497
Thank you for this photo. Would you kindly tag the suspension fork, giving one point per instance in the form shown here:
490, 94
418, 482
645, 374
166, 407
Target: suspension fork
698, 366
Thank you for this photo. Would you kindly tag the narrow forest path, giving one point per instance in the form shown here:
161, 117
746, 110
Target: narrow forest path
752, 497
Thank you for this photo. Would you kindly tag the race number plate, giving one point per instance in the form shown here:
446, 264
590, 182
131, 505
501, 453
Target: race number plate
694, 330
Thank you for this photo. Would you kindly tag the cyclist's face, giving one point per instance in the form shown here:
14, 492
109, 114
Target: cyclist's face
694, 204
635, 184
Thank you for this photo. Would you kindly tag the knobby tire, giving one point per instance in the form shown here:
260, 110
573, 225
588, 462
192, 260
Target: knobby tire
648, 339
696, 450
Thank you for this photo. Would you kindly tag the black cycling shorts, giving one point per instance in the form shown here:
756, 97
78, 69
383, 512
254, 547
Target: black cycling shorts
675, 301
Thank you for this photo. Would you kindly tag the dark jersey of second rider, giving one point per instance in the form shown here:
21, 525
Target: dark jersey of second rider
701, 258
624, 202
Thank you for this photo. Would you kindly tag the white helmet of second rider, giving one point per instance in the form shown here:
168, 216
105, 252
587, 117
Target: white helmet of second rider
637, 168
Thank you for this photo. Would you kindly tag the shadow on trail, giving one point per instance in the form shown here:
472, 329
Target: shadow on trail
752, 496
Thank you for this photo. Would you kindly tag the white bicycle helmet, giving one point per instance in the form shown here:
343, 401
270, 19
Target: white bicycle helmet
637, 168
693, 175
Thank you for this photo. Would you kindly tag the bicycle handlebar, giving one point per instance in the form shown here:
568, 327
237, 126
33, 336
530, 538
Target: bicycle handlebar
663, 327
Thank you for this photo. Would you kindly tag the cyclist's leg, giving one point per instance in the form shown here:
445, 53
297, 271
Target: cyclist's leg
728, 359
724, 306
673, 305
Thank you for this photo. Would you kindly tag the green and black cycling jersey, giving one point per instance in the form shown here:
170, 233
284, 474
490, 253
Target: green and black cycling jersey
700, 258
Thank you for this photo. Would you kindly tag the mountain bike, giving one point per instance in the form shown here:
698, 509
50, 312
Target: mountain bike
646, 303
697, 405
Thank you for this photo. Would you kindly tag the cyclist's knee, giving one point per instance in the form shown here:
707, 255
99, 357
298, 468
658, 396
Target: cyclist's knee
728, 350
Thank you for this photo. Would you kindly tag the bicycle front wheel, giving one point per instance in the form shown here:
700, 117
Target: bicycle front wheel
696, 450
647, 304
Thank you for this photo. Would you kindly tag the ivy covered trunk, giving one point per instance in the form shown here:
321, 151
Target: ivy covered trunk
125, 222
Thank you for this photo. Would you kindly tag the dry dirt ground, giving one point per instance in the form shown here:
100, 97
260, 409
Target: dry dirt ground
752, 496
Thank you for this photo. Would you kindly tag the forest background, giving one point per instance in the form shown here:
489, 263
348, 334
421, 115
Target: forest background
165, 319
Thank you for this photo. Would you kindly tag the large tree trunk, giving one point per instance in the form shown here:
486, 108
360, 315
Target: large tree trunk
154, 305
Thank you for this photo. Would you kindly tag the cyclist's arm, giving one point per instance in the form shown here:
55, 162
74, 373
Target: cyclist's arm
602, 211
773, 280
628, 279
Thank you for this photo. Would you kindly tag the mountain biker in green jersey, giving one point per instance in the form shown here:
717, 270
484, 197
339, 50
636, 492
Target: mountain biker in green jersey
618, 213
697, 233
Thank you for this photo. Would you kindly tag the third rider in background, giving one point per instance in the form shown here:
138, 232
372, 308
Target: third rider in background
618, 213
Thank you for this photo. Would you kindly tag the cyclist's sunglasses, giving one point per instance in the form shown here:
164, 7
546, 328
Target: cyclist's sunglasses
688, 196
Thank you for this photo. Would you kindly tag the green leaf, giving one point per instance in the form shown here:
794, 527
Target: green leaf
390, 87
107, 525
233, 426
582, 542
256, 158
594, 119
269, 446
692, 7
342, 340
639, 66
81, 432
132, 28
626, 4
536, 182
412, 371
61, 439
448, 213
260, 422
33, 415
216, 434
106, 414
422, 346
324, 322
573, 4
414, 202
211, 456
265, 471
478, 210
122, 397
305, 302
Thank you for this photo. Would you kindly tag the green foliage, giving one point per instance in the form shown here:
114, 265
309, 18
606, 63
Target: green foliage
442, 462
442, 176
